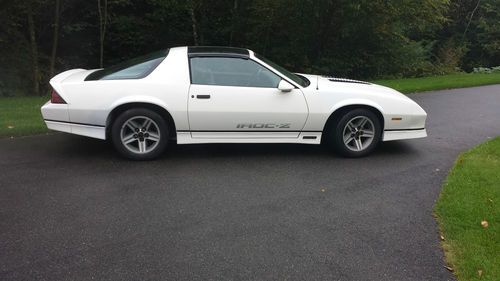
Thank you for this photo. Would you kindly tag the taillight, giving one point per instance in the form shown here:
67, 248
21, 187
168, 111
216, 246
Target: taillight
56, 98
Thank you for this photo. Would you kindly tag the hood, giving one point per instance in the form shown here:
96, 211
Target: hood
327, 83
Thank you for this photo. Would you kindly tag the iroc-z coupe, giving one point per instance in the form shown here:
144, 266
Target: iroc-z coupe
225, 95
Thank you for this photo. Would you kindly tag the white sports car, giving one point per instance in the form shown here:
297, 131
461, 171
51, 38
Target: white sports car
225, 95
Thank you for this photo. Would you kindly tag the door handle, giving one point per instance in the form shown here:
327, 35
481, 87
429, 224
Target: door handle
202, 96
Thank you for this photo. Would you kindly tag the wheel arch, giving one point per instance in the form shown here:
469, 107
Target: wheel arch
115, 112
340, 111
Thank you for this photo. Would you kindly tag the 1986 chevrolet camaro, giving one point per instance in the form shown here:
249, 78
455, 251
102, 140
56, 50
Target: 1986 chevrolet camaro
225, 95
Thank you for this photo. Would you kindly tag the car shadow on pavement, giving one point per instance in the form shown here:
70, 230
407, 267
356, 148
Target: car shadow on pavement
76, 146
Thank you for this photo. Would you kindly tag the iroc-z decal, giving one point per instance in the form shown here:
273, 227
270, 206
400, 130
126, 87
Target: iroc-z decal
263, 126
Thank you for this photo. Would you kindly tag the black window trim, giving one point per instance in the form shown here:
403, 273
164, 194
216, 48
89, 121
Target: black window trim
234, 56
208, 51
217, 55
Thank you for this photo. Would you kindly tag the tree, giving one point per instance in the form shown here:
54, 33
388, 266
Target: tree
34, 50
355, 38
55, 37
102, 10
234, 22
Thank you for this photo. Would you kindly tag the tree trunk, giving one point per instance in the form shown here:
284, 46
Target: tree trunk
470, 20
194, 24
234, 22
269, 26
34, 52
55, 39
103, 19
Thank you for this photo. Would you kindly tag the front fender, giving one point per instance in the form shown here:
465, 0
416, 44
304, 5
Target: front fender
351, 102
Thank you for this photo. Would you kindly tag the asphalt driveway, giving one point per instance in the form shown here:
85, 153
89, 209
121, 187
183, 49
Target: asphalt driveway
71, 209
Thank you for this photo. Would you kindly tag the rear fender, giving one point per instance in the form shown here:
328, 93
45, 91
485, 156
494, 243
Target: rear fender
138, 99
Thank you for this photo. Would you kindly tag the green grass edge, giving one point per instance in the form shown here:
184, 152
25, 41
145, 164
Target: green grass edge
470, 195
443, 82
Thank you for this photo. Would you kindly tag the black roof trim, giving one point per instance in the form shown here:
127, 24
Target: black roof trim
209, 51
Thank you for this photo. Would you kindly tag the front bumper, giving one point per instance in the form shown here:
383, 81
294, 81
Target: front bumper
390, 135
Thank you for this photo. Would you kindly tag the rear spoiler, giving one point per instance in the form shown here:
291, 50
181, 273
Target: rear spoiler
63, 75
74, 75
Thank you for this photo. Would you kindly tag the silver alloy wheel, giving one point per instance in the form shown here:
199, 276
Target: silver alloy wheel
358, 133
140, 134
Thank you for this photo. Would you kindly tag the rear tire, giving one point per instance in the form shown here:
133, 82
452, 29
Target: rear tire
140, 134
356, 134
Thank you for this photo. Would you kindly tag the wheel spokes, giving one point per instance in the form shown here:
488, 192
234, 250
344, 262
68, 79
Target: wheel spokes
146, 124
367, 134
129, 138
351, 127
362, 123
359, 144
348, 139
142, 146
154, 137
358, 133
144, 137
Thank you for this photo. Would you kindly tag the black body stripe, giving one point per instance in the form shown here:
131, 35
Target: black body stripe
244, 131
228, 131
392, 130
75, 123
273, 131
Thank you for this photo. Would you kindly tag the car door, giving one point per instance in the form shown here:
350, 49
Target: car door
232, 97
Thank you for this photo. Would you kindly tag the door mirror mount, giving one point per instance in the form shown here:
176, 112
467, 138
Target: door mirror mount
285, 87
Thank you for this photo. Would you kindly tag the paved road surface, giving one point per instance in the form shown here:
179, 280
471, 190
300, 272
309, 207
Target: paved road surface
70, 209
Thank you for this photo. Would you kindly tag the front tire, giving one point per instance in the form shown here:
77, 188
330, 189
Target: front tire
140, 134
356, 134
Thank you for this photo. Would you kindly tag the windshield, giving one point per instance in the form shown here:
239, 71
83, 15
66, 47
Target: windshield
299, 79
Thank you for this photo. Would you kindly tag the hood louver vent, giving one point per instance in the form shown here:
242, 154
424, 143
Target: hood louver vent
345, 80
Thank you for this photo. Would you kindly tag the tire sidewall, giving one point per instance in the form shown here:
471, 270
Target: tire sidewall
338, 131
126, 115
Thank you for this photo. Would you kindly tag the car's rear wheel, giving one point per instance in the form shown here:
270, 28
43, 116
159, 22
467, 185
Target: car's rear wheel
140, 134
356, 134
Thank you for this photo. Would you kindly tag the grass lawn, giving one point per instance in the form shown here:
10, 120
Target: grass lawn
468, 212
461, 80
21, 116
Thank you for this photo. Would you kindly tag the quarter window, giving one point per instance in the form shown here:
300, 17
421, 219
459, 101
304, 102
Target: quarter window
237, 72
132, 69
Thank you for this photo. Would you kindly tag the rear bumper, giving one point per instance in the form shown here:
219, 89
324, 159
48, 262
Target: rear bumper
93, 131
56, 118
390, 135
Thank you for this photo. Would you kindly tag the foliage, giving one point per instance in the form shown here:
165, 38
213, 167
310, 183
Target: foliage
486, 69
351, 38
468, 212
441, 82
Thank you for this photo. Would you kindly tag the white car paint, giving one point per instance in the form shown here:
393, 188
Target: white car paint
216, 120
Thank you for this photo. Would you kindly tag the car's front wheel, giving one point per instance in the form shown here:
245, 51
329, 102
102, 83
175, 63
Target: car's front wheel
357, 133
140, 134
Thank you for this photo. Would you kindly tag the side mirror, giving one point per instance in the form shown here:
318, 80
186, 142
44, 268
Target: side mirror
285, 87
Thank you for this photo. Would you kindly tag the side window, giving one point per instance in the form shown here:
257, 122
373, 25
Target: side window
237, 72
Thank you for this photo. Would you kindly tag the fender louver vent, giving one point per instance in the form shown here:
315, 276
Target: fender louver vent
344, 80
